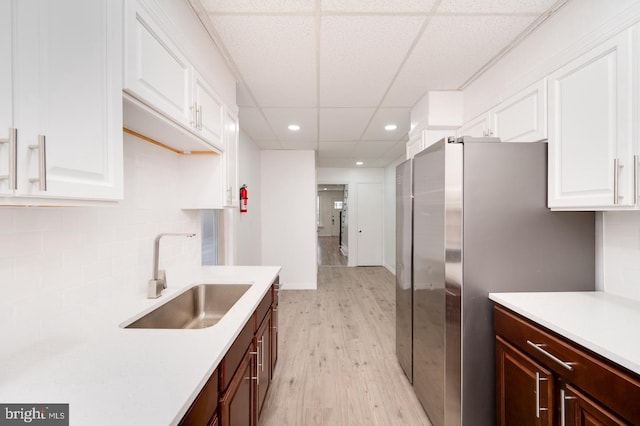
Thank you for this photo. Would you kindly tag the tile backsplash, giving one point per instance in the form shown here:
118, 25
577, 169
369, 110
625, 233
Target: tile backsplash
621, 253
71, 258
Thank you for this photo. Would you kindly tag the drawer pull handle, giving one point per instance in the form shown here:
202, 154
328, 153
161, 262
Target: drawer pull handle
538, 347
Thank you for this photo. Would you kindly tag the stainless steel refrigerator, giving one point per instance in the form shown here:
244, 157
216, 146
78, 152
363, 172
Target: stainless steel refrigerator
481, 225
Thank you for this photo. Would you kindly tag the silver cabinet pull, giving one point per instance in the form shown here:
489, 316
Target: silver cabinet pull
199, 116
257, 378
616, 182
538, 347
41, 180
563, 410
635, 179
12, 176
538, 408
262, 355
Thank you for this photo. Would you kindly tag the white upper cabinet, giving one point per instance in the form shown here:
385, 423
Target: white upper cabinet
165, 96
6, 112
209, 111
478, 127
231, 139
522, 117
156, 72
590, 121
67, 108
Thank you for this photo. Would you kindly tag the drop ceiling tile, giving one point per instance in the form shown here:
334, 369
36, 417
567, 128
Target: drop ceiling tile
306, 118
384, 116
359, 55
343, 124
373, 149
242, 96
437, 63
398, 150
253, 124
495, 6
300, 144
377, 6
336, 149
273, 144
259, 6
274, 54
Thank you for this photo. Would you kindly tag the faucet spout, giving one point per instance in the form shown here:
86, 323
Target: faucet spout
159, 280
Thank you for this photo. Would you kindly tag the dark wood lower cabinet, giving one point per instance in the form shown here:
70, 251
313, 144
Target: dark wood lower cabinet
263, 356
243, 377
543, 378
524, 389
237, 405
580, 410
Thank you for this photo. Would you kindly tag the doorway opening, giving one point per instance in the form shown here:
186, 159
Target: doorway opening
332, 224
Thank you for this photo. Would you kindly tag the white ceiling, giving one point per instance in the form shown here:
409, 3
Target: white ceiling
343, 69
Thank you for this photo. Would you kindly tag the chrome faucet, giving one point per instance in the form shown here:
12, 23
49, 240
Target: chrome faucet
159, 280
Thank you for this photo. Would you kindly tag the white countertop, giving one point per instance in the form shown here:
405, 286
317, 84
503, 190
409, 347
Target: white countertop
115, 376
607, 324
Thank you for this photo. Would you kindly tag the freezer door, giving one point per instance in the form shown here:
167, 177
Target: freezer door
404, 305
429, 280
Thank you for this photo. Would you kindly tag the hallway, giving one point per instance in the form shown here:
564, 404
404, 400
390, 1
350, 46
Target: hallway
337, 363
329, 252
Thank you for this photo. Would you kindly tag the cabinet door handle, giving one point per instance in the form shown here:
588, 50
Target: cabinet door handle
538, 408
616, 181
635, 179
563, 409
12, 176
199, 116
538, 347
257, 378
262, 354
41, 180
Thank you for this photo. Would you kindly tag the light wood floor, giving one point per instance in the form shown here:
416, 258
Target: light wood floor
337, 363
329, 252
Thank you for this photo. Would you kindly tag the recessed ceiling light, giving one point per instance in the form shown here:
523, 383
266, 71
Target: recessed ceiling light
359, 163
390, 127
324, 189
294, 127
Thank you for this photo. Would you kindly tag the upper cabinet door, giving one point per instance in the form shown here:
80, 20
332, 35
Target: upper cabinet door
478, 127
6, 108
522, 117
156, 72
209, 112
590, 119
231, 132
67, 59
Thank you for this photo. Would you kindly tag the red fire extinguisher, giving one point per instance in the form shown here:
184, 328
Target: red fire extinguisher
244, 196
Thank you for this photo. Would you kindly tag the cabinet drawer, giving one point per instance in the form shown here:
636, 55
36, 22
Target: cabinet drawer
263, 309
204, 407
234, 355
603, 380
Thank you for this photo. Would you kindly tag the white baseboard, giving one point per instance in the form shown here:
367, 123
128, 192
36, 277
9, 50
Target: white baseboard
299, 286
390, 268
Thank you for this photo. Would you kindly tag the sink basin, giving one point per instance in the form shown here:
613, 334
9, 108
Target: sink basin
200, 306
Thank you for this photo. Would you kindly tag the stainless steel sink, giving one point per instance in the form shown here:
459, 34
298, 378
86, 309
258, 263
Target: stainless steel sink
200, 306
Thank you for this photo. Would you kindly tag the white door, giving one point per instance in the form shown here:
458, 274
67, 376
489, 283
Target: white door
523, 117
369, 224
209, 112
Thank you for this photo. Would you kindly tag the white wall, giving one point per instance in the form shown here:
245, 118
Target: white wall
66, 261
351, 177
575, 29
389, 238
289, 216
249, 225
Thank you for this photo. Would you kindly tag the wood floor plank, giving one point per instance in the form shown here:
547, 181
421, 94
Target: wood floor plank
329, 252
337, 363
